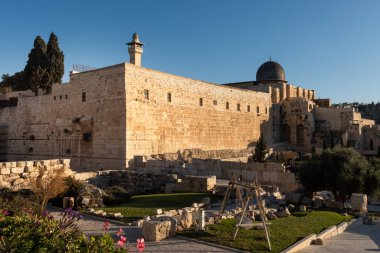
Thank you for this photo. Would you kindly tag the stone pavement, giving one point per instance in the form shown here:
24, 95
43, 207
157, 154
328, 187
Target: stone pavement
357, 238
94, 226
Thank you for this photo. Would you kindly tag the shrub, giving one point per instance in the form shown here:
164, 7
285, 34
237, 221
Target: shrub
342, 171
47, 185
115, 196
17, 202
73, 188
34, 233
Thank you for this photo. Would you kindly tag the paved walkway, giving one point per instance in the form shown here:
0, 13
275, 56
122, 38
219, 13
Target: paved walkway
94, 226
357, 238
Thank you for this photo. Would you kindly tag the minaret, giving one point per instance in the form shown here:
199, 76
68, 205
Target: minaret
135, 50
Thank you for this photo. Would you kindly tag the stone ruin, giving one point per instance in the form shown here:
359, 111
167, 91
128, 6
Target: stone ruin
17, 175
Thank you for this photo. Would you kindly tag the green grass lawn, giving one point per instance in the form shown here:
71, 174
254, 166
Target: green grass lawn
141, 205
284, 231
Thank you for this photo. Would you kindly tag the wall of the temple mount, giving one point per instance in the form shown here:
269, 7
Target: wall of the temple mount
103, 117
195, 116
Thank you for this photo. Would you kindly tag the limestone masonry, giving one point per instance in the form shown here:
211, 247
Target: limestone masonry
102, 118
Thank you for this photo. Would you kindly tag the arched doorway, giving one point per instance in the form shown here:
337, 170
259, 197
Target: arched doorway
300, 135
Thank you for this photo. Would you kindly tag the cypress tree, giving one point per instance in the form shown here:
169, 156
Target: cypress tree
56, 59
261, 149
35, 72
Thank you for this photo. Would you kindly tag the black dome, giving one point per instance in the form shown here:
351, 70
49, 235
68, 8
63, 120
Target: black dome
270, 71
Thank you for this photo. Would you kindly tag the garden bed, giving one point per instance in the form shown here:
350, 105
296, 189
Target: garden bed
284, 231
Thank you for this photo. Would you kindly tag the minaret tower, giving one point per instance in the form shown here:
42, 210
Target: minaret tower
135, 50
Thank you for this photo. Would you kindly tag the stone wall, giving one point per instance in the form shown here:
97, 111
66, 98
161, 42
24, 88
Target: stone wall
83, 120
266, 173
17, 175
103, 117
166, 113
134, 182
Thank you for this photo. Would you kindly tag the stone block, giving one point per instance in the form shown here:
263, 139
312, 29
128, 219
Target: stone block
156, 230
283, 214
186, 218
271, 215
85, 201
20, 164
359, 202
29, 164
17, 170
5, 171
68, 202
138, 223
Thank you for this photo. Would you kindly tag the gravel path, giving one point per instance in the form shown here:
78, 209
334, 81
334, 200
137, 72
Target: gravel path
357, 238
94, 226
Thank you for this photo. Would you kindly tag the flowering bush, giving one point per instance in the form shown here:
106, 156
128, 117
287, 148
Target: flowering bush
29, 232
122, 242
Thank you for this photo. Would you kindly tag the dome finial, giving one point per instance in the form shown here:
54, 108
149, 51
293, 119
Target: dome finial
270, 57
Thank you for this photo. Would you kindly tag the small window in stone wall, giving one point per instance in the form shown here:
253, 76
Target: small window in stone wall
60, 97
215, 102
238, 107
227, 105
169, 97
200, 101
83, 96
146, 94
266, 110
55, 97
66, 96
258, 109
248, 108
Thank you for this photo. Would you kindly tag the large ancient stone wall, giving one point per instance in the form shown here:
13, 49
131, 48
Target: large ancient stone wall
195, 116
103, 117
83, 120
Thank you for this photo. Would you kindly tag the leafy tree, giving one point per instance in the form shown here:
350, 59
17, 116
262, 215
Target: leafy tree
56, 59
261, 149
16, 82
35, 72
340, 170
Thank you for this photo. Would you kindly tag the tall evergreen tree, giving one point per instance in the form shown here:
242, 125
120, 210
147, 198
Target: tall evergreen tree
261, 149
35, 72
56, 59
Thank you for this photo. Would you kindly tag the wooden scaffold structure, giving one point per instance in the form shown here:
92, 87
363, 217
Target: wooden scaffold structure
252, 190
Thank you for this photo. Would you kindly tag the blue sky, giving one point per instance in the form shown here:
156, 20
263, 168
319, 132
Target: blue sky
330, 46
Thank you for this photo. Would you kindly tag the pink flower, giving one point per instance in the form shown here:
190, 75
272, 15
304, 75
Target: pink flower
120, 232
140, 244
106, 225
122, 241
5, 212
